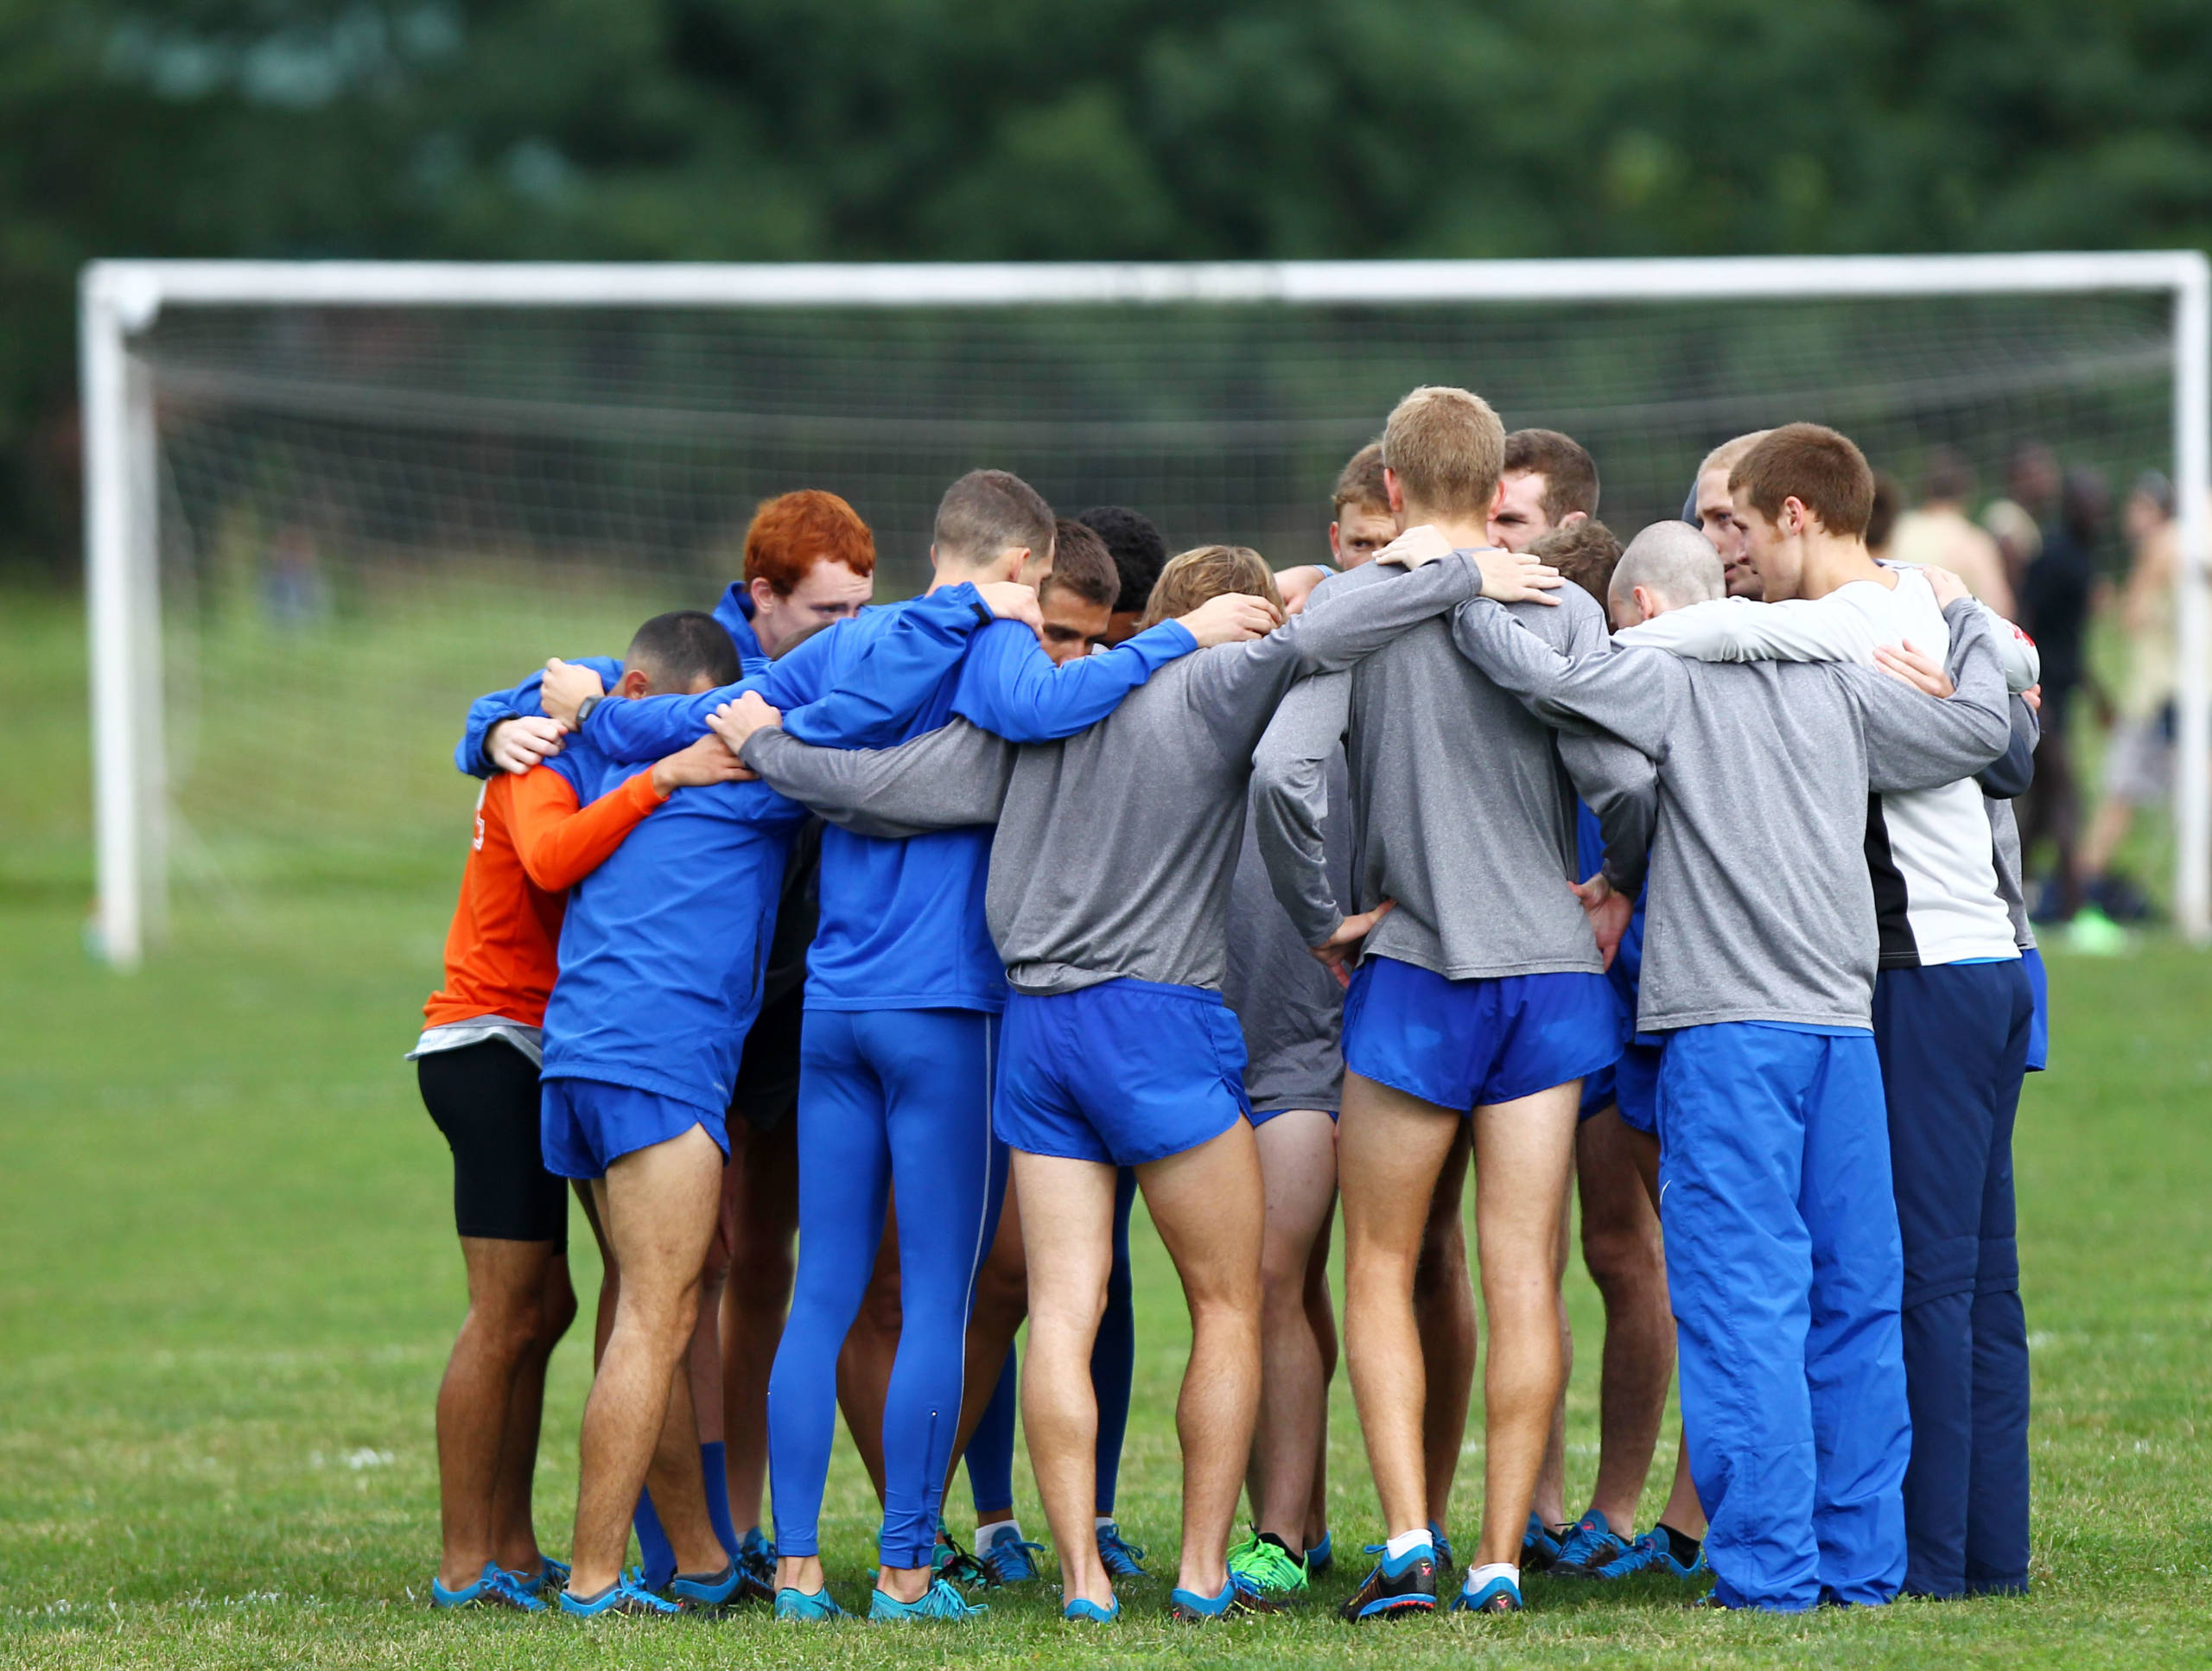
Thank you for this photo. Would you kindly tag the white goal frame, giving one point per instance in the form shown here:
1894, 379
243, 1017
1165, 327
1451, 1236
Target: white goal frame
120, 299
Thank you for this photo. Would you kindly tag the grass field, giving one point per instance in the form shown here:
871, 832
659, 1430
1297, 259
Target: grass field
227, 1285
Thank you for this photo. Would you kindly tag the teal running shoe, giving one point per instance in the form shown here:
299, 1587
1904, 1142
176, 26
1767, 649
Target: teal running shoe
1322, 1557
1500, 1595
1189, 1607
939, 1601
1080, 1611
949, 1560
1006, 1557
1262, 1565
1397, 1588
1444, 1562
494, 1587
551, 1574
1539, 1547
1591, 1544
710, 1592
798, 1605
1653, 1553
756, 1560
1120, 1557
626, 1595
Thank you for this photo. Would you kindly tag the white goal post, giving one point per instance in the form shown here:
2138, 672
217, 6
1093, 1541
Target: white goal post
120, 300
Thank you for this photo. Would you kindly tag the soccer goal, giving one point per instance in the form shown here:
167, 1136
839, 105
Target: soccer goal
328, 502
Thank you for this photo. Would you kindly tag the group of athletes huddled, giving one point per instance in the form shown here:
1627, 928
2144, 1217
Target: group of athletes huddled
925, 935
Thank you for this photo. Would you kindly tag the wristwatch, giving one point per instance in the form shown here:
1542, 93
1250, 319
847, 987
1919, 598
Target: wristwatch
585, 707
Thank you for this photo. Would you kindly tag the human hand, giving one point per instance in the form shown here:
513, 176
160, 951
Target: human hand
1609, 913
1515, 577
1914, 667
1416, 547
1340, 946
1947, 588
1297, 585
566, 686
710, 760
2033, 697
516, 745
1010, 600
734, 721
1232, 618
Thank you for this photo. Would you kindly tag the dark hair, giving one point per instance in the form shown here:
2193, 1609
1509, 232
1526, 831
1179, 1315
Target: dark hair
676, 651
1570, 473
1137, 546
988, 512
1823, 471
1586, 552
1083, 565
1950, 477
1360, 482
1889, 504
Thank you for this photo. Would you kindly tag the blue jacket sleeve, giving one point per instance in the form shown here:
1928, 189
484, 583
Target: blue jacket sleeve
871, 698
2016, 768
1010, 686
487, 711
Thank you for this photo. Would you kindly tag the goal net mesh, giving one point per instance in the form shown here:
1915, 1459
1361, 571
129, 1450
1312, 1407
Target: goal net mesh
369, 516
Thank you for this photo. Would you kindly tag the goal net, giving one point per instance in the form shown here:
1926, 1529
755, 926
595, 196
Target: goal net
336, 519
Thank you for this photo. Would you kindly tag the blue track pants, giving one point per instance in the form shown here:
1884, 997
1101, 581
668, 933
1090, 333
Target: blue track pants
1954, 1042
889, 1097
1784, 1266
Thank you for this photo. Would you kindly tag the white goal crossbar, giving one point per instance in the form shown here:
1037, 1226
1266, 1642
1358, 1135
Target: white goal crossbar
120, 299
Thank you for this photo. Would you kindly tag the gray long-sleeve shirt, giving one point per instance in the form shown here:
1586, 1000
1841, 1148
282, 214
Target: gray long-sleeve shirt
1460, 810
1760, 908
1115, 847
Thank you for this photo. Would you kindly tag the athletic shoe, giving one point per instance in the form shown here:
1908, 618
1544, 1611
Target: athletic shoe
1007, 1557
1394, 1588
949, 1560
494, 1587
939, 1601
1264, 1567
1322, 1557
1189, 1607
1080, 1611
1500, 1595
1443, 1549
1653, 1553
1588, 1546
756, 1558
626, 1595
793, 1603
551, 1574
1120, 1557
1539, 1547
710, 1594
2093, 934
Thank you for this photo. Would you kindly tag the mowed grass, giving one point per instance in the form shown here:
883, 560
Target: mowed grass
228, 1283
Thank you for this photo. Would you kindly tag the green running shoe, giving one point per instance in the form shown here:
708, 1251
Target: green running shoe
1264, 1566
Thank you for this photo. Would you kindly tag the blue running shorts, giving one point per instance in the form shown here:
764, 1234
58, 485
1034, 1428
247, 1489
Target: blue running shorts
1597, 1093
586, 1125
2038, 1030
1635, 1087
1122, 1073
1463, 1044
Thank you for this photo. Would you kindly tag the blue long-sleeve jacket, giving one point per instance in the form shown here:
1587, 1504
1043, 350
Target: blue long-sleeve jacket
521, 701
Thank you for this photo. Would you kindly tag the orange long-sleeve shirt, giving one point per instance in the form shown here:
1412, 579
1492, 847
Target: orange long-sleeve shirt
533, 842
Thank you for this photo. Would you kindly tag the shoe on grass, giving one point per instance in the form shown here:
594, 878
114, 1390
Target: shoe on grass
1322, 1557
1654, 1552
1264, 1564
1080, 1611
1189, 1607
1398, 1586
1006, 1557
626, 1596
939, 1601
1120, 1557
494, 1587
1539, 1547
1500, 1592
1587, 1546
808, 1607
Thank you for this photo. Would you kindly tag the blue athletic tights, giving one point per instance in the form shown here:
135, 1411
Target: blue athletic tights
893, 1097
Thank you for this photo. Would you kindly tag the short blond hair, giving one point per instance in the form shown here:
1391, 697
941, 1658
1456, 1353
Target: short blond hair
1202, 574
1448, 450
1729, 453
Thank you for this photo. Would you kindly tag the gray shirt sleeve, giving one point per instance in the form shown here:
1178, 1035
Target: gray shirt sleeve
954, 776
1916, 741
1290, 801
1621, 785
1631, 694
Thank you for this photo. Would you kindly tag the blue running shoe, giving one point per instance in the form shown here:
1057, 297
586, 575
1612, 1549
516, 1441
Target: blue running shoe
626, 1595
1322, 1556
1653, 1553
1080, 1611
1189, 1607
708, 1593
1539, 1547
756, 1564
1501, 1594
1591, 1544
1006, 1557
551, 1574
1394, 1588
796, 1603
1443, 1549
1120, 1557
494, 1587
939, 1601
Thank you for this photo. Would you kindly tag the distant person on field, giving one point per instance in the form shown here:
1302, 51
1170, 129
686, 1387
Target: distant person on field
1939, 535
2055, 603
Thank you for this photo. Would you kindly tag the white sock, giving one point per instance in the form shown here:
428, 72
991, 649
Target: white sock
1479, 1576
1100, 1522
985, 1528
1408, 1541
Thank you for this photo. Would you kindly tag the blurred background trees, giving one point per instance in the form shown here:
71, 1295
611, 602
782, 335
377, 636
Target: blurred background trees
775, 130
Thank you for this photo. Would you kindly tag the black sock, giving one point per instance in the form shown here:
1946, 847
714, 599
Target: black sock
1269, 1537
1683, 1548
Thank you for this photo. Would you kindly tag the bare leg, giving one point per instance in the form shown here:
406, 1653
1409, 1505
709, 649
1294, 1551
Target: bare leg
1321, 1315
864, 1361
514, 1534
1297, 1165
1444, 1312
610, 1275
1067, 1232
506, 1326
1391, 1150
658, 1205
1621, 1246
1522, 1152
1549, 1504
763, 1233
